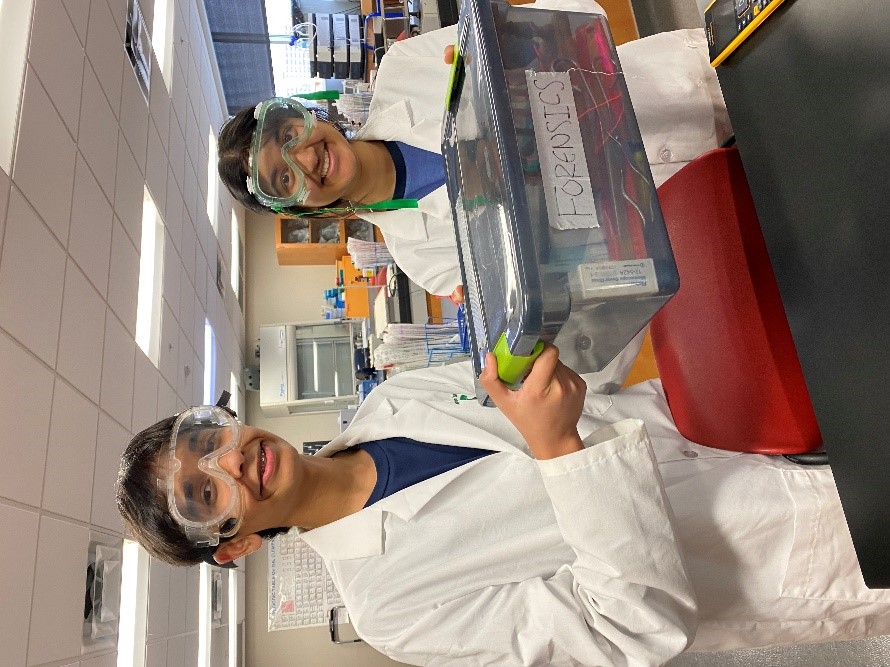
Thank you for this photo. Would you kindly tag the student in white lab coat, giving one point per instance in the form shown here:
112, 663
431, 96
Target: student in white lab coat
558, 530
674, 90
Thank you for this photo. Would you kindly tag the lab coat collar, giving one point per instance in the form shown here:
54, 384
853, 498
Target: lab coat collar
361, 535
406, 224
396, 123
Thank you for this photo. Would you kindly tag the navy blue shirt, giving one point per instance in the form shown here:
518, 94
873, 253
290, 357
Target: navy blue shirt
402, 462
418, 171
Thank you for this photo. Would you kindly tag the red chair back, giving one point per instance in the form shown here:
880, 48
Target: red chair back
724, 350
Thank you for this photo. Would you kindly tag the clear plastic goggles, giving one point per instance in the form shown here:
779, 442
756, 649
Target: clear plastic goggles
274, 178
201, 496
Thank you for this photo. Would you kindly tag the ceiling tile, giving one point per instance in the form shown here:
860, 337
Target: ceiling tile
106, 53
71, 454
16, 581
134, 116
145, 392
32, 274
123, 277
111, 441
117, 371
129, 193
82, 334
46, 183
26, 413
98, 134
57, 610
56, 54
89, 240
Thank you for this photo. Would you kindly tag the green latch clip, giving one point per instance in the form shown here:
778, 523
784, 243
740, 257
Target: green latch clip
512, 368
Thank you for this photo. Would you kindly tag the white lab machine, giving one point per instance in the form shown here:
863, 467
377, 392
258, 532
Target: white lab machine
308, 366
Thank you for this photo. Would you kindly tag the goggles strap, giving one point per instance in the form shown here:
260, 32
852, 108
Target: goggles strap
207, 557
223, 402
385, 205
318, 95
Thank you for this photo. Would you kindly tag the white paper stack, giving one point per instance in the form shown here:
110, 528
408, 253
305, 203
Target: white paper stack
368, 254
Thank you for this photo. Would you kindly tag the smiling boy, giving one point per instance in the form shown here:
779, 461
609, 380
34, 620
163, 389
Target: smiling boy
554, 530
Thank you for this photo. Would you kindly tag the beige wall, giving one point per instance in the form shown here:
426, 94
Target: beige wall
275, 294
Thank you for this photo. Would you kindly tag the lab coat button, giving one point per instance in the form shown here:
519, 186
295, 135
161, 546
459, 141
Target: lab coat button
665, 155
689, 454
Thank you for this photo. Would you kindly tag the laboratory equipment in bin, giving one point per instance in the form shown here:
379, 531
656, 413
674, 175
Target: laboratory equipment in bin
307, 367
559, 231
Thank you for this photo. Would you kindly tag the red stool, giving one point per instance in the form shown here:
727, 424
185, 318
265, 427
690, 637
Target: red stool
723, 346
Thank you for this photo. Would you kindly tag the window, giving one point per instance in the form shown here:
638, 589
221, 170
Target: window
291, 68
151, 263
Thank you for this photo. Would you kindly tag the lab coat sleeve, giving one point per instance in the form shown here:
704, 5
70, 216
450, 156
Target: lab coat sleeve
414, 69
630, 579
676, 98
624, 601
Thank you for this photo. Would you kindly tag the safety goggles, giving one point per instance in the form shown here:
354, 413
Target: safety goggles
274, 178
201, 496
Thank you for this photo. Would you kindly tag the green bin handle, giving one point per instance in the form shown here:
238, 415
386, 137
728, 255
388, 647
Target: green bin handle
511, 368
452, 75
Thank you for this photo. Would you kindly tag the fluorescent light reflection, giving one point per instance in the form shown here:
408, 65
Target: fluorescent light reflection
233, 390
212, 181
233, 614
160, 38
151, 263
204, 617
15, 22
209, 364
134, 599
236, 259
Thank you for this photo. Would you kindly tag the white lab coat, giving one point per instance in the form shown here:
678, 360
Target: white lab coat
674, 90
595, 558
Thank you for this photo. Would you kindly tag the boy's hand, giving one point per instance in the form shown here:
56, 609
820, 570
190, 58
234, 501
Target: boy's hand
449, 54
546, 409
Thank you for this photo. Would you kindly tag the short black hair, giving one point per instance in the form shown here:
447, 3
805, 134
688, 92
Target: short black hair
143, 504
233, 147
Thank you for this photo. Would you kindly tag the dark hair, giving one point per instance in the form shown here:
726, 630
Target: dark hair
233, 146
143, 505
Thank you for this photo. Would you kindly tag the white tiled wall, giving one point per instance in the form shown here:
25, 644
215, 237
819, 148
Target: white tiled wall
77, 386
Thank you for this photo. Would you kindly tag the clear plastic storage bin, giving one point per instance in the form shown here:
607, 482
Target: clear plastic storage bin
559, 230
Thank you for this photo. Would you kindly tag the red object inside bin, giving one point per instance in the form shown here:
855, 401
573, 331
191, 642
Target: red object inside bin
724, 350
